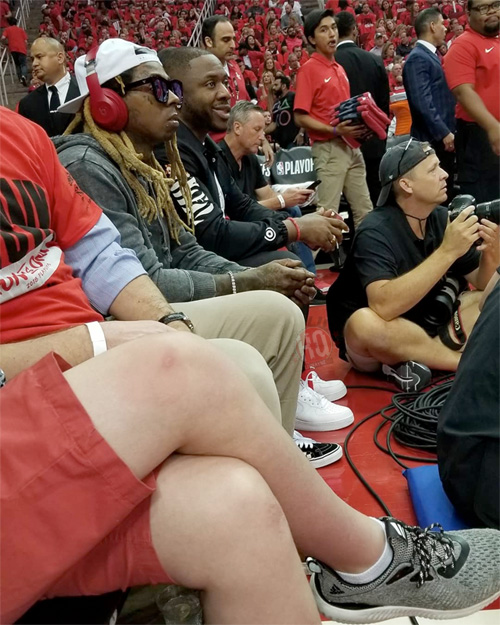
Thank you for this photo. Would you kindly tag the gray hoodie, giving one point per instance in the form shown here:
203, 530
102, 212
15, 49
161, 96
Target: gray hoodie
182, 271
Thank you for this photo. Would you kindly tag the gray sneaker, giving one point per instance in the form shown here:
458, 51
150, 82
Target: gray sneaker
433, 574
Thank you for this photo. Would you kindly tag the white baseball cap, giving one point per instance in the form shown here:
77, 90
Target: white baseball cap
113, 57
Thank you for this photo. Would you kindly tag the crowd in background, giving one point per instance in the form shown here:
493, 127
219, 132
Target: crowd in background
270, 37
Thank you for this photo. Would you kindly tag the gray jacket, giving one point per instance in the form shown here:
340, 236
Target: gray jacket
182, 271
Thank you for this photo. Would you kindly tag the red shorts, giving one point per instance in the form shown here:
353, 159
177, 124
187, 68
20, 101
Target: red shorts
74, 518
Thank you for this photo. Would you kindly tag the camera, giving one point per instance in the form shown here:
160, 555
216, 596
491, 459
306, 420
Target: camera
443, 304
484, 210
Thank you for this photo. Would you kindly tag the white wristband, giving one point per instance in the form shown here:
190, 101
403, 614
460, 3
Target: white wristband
97, 337
281, 200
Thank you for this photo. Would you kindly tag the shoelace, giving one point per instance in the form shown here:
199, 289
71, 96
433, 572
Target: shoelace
305, 444
426, 543
312, 375
313, 396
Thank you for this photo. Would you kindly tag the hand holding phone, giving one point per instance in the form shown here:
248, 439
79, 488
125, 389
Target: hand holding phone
313, 185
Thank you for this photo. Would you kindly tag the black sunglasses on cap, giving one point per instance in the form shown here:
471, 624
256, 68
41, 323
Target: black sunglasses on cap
161, 88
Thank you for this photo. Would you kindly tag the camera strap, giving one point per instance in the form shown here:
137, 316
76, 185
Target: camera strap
453, 334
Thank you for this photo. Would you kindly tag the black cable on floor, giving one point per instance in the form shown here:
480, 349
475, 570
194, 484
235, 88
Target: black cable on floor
412, 421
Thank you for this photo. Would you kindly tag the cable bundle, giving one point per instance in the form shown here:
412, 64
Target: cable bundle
414, 417
412, 420
361, 110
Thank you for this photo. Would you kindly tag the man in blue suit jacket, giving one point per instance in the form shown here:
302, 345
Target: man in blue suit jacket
432, 104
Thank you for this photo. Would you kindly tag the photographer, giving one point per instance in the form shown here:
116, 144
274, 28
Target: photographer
401, 294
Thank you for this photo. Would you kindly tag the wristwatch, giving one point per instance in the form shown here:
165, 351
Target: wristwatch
177, 316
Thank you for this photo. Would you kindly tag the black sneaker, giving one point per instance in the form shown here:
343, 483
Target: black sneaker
433, 574
319, 454
409, 376
319, 299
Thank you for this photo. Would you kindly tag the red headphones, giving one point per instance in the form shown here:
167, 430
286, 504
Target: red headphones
108, 109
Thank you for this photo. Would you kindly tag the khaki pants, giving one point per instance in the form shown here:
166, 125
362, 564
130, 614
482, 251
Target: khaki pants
268, 328
341, 169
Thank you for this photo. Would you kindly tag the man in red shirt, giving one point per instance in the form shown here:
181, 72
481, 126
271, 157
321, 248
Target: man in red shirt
16, 40
292, 39
322, 84
472, 69
5, 13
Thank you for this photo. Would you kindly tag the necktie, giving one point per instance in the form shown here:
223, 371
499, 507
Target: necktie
54, 103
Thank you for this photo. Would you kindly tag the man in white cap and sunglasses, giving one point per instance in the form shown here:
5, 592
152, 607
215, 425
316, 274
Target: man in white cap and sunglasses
127, 107
401, 302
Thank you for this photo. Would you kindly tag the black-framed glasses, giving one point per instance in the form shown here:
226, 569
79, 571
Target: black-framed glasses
483, 9
161, 88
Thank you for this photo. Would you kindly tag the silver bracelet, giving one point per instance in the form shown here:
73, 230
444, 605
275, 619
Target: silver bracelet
281, 200
233, 282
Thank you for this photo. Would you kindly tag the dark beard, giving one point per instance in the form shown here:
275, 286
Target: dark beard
492, 29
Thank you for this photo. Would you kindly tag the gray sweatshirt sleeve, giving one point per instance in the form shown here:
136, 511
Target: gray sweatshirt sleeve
185, 274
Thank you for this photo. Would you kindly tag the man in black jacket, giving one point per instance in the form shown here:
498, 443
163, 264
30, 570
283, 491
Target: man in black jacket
49, 65
366, 72
253, 234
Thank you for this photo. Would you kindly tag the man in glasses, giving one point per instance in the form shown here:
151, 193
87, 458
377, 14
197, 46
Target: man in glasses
120, 173
400, 302
472, 69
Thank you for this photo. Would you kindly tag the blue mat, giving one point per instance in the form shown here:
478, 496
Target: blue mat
430, 502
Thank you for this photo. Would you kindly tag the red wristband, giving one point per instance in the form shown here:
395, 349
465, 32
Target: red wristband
294, 222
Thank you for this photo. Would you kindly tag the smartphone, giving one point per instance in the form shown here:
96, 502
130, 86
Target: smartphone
314, 184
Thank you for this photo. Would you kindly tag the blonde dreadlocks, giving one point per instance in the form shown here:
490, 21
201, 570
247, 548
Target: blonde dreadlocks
119, 147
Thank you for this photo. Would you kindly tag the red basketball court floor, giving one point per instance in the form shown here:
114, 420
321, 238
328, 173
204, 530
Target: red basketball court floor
381, 471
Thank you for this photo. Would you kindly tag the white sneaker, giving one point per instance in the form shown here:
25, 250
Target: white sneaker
318, 454
331, 389
316, 414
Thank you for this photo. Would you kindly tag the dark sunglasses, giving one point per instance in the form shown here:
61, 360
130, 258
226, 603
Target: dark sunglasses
161, 87
402, 156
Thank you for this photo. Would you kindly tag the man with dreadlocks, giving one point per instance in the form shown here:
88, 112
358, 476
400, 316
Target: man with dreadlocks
118, 169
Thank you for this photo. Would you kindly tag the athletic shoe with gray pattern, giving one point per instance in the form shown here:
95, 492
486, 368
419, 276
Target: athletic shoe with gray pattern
434, 574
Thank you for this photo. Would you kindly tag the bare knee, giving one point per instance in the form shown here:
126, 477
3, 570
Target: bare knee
160, 355
212, 515
365, 329
228, 489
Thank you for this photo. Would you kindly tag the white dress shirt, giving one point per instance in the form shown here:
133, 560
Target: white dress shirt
62, 87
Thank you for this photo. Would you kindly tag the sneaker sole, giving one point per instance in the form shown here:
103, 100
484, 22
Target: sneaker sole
407, 385
327, 459
375, 614
338, 424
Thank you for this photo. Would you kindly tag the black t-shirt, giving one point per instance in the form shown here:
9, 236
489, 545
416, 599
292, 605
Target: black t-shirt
286, 130
384, 248
469, 427
250, 176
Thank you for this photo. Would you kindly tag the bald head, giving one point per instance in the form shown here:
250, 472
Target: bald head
48, 42
48, 60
